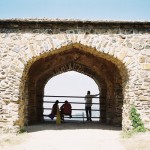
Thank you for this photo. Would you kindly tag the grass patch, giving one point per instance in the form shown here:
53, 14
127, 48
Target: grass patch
129, 134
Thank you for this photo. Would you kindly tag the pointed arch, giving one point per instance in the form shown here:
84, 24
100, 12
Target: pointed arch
107, 71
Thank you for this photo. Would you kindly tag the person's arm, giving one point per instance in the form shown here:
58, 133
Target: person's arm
95, 95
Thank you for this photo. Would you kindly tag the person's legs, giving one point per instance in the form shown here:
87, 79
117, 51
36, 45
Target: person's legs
51, 116
70, 116
90, 114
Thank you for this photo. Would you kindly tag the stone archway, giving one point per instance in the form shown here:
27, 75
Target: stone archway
121, 47
79, 58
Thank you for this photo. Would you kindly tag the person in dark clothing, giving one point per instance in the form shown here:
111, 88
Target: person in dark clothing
54, 110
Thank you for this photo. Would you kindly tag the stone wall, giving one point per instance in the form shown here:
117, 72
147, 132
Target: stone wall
116, 53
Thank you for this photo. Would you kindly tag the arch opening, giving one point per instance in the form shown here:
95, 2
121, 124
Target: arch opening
74, 85
106, 74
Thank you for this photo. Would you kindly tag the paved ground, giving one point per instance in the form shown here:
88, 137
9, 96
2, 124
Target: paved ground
68, 136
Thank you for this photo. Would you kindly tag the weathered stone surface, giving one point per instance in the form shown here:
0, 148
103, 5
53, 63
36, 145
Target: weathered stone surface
146, 66
115, 54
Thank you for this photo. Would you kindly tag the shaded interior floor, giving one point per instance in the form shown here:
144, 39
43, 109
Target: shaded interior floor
70, 125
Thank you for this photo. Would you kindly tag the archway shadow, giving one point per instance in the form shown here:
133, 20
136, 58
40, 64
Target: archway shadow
71, 125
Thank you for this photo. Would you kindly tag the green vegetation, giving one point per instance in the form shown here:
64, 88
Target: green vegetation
22, 130
137, 123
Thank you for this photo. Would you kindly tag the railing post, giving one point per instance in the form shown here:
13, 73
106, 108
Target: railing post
83, 116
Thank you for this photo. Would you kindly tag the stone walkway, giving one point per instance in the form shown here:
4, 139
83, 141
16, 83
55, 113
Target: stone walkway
69, 136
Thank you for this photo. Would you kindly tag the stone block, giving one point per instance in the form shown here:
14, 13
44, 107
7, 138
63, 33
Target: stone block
145, 66
143, 87
142, 59
122, 54
144, 98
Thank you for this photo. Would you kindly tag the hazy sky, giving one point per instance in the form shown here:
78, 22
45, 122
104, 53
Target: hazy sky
71, 84
74, 84
79, 9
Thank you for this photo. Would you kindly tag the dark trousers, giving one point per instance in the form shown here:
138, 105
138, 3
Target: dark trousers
88, 113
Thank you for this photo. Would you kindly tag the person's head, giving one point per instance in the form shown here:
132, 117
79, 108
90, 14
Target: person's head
88, 92
57, 101
66, 101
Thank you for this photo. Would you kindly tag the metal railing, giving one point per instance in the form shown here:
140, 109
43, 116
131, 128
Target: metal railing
73, 109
